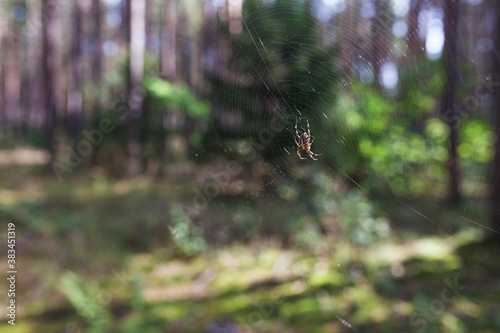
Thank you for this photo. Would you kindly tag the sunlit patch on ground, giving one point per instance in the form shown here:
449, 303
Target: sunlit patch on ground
24, 156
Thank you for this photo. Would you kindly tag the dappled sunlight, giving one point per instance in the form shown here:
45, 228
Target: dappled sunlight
24, 156
298, 283
153, 178
431, 249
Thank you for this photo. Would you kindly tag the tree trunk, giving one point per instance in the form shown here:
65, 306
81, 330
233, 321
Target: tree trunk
450, 53
49, 71
12, 83
168, 44
415, 43
495, 194
75, 97
35, 111
380, 36
3, 41
151, 26
136, 68
97, 67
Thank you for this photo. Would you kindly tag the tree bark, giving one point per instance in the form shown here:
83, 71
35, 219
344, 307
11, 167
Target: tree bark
495, 193
2, 83
168, 44
448, 101
75, 96
136, 69
380, 35
12, 78
35, 112
415, 43
97, 67
49, 71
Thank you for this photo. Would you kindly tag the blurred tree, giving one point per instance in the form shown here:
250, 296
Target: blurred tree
75, 96
495, 194
150, 24
168, 45
380, 35
2, 83
33, 82
448, 109
3, 41
348, 44
124, 32
97, 62
135, 90
50, 67
11, 74
416, 47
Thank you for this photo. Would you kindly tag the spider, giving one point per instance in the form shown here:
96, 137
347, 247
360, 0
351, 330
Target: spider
304, 142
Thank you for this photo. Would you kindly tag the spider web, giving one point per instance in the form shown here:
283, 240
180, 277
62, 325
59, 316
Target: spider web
287, 99
241, 121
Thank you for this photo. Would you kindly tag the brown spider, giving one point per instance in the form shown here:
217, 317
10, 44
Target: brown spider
304, 142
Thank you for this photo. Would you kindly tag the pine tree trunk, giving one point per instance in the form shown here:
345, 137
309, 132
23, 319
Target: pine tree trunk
450, 53
75, 97
136, 69
97, 67
49, 71
415, 43
495, 194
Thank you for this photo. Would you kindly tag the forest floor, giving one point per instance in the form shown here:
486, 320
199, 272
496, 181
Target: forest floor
95, 255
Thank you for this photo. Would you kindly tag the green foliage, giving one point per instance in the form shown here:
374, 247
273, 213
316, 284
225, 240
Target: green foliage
176, 96
477, 141
476, 148
89, 301
36, 138
307, 235
143, 318
177, 101
392, 158
358, 217
187, 238
289, 288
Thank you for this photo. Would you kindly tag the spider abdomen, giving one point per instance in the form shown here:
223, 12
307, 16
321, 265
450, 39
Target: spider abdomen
303, 139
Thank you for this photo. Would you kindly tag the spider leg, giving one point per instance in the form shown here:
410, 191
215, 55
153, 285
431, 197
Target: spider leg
310, 148
308, 130
313, 153
298, 154
296, 130
310, 155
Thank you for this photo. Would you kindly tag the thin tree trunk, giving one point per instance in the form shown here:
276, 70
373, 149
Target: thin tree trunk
2, 84
380, 35
415, 43
124, 32
35, 111
49, 71
25, 89
168, 44
495, 193
75, 97
450, 53
150, 28
97, 66
136, 68
12, 83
